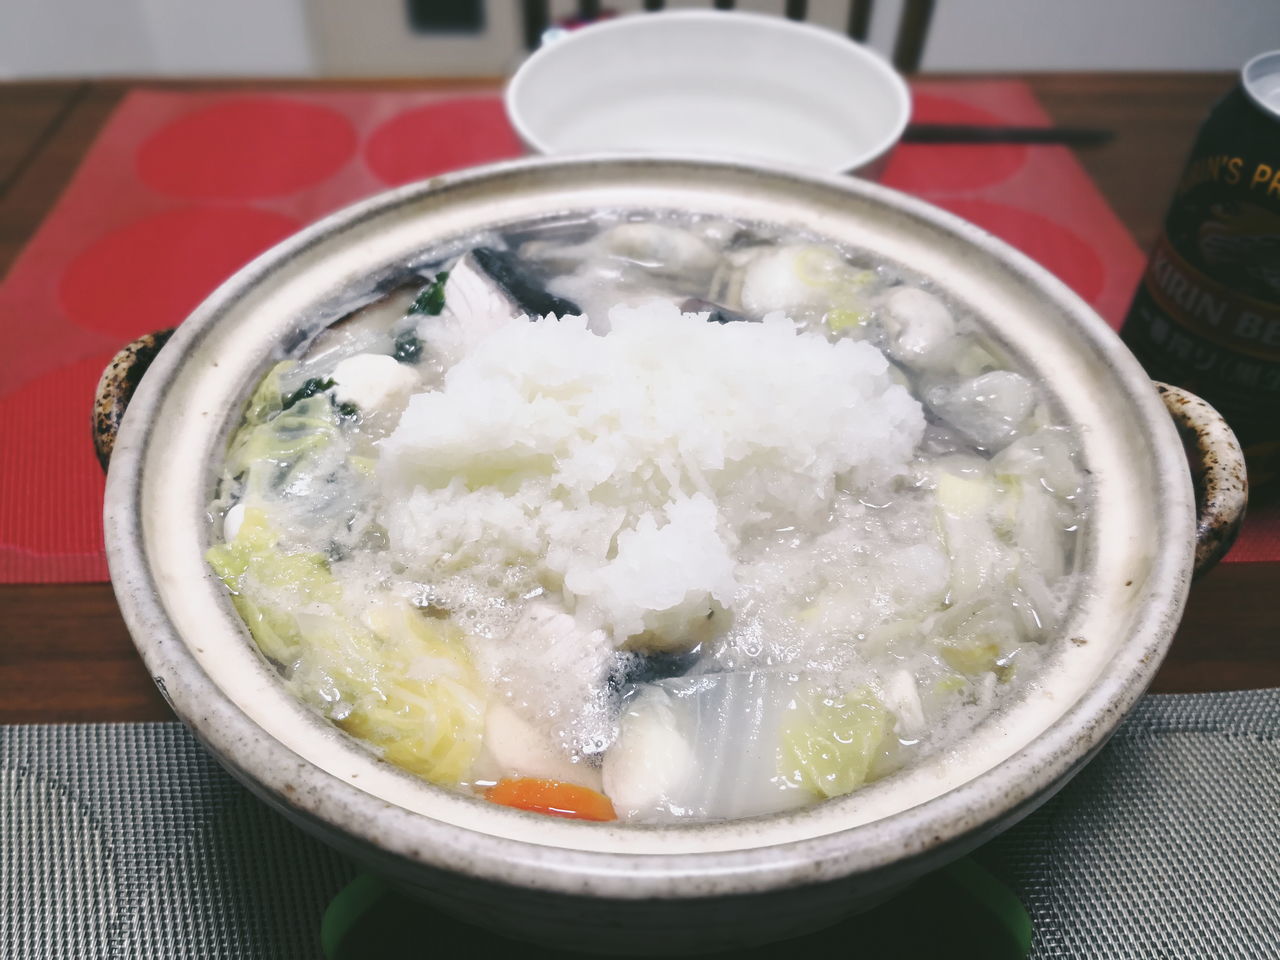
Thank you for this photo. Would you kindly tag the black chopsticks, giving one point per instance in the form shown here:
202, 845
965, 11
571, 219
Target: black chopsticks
971, 133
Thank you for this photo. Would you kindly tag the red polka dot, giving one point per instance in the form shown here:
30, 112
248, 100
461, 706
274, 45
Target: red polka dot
152, 273
1049, 243
926, 168
246, 149
50, 486
439, 137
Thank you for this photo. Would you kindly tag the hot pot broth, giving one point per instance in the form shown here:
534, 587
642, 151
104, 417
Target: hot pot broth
774, 522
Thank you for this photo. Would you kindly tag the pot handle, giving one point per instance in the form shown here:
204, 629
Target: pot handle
1217, 472
116, 387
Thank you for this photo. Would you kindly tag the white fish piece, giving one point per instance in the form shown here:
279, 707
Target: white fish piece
919, 327
373, 382
475, 306
659, 245
989, 409
473, 296
664, 247
520, 749
634, 262
486, 289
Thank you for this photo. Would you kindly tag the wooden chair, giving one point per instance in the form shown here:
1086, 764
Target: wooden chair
908, 47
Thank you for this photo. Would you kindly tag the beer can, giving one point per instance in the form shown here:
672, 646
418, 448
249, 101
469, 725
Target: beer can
1207, 313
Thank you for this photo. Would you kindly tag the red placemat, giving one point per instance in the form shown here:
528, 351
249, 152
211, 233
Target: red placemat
180, 189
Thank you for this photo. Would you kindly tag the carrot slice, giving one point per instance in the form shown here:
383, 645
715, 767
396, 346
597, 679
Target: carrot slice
552, 797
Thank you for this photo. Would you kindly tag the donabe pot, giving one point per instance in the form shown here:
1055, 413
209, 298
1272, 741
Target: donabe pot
682, 888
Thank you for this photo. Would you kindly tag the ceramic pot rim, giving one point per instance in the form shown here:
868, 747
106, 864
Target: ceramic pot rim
283, 776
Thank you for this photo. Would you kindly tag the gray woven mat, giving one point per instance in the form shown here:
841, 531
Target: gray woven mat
126, 840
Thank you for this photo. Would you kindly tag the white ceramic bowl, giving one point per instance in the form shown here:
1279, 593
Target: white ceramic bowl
712, 84
617, 886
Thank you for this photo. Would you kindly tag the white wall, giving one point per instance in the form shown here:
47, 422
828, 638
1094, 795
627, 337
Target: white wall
371, 38
255, 37
50, 38
1099, 34
43, 37
344, 37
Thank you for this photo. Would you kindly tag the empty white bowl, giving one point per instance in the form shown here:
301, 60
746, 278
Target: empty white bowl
712, 84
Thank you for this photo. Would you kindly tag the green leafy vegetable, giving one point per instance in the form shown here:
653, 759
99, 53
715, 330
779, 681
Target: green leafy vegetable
392, 677
825, 270
268, 453
266, 401
408, 348
977, 637
829, 744
267, 583
972, 656
838, 320
427, 720
431, 300
309, 389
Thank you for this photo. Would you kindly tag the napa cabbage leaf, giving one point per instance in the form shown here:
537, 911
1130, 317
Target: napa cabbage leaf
830, 743
385, 673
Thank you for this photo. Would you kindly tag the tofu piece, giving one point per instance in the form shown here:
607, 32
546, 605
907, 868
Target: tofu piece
373, 382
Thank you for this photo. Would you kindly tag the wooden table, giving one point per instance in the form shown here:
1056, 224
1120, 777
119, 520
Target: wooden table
64, 651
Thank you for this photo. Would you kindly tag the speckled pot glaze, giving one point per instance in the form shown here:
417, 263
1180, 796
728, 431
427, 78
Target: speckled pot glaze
613, 887
116, 387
